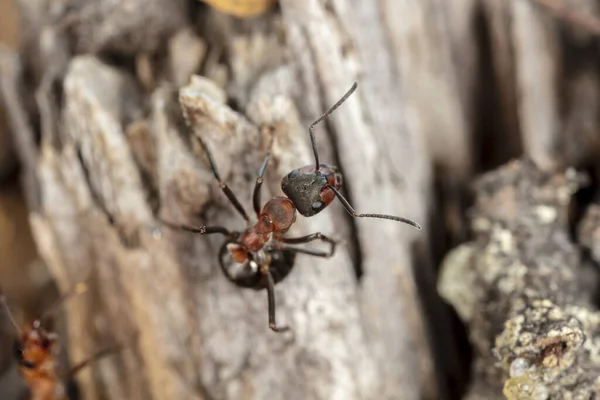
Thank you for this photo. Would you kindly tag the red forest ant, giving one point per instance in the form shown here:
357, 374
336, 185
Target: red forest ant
259, 257
36, 351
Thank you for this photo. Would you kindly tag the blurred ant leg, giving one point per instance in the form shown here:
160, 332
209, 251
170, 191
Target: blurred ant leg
202, 230
260, 177
310, 238
271, 300
353, 212
311, 128
93, 358
9, 313
238, 206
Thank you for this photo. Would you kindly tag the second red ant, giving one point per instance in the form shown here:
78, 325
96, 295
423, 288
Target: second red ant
260, 256
37, 349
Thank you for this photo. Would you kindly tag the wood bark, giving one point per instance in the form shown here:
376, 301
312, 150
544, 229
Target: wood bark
106, 101
532, 319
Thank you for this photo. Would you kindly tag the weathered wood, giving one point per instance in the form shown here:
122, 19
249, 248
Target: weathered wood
535, 40
536, 78
533, 325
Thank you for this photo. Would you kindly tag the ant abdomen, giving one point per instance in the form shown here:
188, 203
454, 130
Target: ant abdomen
309, 187
246, 272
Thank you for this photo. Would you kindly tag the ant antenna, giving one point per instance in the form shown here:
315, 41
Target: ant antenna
77, 289
311, 128
96, 356
353, 212
9, 313
261, 172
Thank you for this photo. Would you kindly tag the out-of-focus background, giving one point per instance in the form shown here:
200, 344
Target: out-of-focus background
24, 277
480, 119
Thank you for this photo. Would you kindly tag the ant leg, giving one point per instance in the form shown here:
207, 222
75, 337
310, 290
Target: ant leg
311, 128
9, 313
260, 178
236, 203
271, 300
94, 357
310, 238
353, 212
310, 252
202, 230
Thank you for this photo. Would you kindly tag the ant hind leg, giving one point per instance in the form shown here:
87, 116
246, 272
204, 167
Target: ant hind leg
271, 300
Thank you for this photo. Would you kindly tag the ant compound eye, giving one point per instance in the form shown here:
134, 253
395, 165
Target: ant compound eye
318, 205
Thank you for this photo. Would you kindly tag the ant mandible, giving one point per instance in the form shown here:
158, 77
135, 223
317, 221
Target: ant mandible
260, 256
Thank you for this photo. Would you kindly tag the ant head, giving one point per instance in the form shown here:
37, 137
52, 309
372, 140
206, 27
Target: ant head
308, 187
35, 345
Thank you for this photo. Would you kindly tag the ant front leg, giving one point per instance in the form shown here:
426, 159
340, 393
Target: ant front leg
310, 238
271, 300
